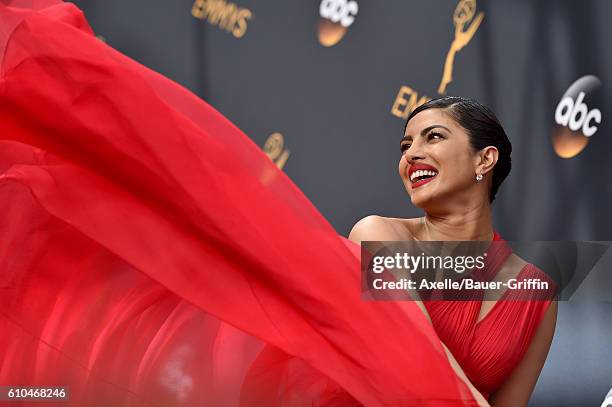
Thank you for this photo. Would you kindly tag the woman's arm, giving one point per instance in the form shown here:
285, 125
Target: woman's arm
516, 391
477, 395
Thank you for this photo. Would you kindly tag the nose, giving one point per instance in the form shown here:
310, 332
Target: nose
414, 153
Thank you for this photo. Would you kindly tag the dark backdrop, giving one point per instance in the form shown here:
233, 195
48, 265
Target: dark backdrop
264, 66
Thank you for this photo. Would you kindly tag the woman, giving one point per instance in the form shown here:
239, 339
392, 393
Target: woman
463, 156
151, 254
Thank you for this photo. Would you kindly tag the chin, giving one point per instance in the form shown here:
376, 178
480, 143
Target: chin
427, 200
421, 201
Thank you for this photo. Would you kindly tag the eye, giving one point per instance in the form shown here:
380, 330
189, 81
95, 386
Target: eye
404, 146
434, 136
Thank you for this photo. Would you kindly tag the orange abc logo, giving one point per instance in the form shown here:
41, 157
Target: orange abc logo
339, 11
336, 17
576, 118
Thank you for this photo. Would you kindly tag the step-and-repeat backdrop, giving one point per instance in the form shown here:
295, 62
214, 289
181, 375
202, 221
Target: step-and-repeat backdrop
324, 87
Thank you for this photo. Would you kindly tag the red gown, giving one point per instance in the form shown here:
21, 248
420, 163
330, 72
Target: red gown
151, 254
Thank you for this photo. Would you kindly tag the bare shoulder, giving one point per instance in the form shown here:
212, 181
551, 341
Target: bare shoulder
372, 227
380, 228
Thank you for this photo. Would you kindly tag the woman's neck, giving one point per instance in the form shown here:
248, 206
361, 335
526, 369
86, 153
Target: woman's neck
472, 223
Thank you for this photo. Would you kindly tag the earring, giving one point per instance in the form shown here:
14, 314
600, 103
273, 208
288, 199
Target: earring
478, 177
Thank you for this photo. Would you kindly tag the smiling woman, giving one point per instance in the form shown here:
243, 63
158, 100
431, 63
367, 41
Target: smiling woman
133, 270
453, 141
455, 155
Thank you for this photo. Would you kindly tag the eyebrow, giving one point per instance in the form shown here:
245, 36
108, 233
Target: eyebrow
425, 131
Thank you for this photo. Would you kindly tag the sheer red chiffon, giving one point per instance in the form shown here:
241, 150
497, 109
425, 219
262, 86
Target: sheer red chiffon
151, 254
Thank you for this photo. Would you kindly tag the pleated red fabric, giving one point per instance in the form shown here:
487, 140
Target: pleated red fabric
489, 348
151, 254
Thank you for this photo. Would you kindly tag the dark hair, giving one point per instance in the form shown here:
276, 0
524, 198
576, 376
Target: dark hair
483, 130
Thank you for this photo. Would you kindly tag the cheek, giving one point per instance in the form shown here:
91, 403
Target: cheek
403, 164
459, 169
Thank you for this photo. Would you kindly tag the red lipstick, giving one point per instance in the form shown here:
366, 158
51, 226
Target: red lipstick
421, 167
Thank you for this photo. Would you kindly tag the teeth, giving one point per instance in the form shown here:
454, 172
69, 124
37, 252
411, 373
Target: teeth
422, 173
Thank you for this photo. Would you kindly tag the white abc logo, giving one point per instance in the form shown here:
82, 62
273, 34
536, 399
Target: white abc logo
577, 115
341, 11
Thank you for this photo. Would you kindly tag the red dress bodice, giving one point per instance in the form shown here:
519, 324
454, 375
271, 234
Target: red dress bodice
489, 348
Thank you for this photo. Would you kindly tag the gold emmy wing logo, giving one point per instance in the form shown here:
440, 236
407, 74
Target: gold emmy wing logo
465, 28
226, 15
274, 148
466, 25
336, 17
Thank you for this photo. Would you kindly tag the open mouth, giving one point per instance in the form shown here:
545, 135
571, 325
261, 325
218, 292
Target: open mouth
422, 177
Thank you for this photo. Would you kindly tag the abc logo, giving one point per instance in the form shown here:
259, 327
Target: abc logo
339, 11
336, 17
576, 115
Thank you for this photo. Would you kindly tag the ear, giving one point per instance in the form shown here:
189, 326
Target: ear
487, 158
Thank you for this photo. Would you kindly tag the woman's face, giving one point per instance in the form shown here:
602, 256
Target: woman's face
438, 165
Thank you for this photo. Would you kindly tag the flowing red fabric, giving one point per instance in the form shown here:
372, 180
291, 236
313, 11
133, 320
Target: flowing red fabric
151, 254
